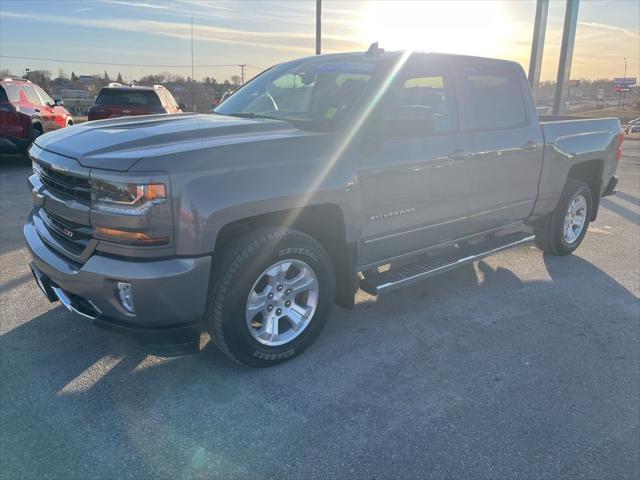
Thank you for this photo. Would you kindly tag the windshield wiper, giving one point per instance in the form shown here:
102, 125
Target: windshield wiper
259, 115
250, 115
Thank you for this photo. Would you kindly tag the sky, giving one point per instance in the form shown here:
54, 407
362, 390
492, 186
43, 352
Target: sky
147, 37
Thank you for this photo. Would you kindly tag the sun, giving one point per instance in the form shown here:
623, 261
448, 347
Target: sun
465, 27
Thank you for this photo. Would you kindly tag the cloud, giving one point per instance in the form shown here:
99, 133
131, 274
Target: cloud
287, 41
154, 6
604, 26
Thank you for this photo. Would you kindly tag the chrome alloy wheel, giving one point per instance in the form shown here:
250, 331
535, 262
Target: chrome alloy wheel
575, 219
282, 302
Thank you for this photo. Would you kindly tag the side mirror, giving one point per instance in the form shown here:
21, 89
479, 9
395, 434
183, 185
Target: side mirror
407, 120
58, 101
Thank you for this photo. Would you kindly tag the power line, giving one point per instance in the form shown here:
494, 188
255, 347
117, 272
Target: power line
58, 60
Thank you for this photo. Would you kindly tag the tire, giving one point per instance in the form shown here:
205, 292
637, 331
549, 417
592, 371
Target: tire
551, 233
36, 131
242, 272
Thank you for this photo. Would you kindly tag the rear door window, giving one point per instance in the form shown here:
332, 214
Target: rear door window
128, 98
495, 99
32, 95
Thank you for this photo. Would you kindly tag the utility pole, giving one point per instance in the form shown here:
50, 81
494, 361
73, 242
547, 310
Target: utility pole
318, 26
193, 104
242, 67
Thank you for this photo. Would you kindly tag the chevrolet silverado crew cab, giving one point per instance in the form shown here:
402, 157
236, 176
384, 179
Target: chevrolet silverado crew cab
320, 176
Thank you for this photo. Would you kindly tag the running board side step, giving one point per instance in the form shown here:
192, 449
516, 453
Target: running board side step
408, 274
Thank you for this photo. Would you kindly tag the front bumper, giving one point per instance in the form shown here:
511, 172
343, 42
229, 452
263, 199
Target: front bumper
169, 295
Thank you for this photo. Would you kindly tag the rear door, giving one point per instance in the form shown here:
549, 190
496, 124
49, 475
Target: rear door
9, 125
507, 139
415, 188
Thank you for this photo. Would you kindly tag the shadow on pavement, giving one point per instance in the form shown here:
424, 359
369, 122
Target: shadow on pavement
474, 372
624, 212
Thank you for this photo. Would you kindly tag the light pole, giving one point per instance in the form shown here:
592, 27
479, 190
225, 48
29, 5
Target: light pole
318, 26
624, 86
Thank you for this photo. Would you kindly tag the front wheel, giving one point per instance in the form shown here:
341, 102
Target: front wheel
270, 296
563, 230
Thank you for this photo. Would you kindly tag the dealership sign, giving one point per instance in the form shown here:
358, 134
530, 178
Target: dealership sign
624, 82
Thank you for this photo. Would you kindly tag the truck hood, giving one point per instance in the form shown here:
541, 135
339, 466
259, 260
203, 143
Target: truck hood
117, 144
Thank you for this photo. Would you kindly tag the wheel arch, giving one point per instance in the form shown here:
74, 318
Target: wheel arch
324, 222
37, 122
590, 172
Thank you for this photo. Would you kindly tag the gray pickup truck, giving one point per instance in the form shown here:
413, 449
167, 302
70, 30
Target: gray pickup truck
320, 176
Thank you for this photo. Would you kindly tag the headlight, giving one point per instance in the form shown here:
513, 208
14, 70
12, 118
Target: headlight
126, 198
134, 212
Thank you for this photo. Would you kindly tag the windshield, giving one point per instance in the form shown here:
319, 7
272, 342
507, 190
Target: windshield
315, 93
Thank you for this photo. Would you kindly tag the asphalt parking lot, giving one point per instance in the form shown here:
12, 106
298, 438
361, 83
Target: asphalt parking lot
520, 366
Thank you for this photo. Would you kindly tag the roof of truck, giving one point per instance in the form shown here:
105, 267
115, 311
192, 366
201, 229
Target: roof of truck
388, 55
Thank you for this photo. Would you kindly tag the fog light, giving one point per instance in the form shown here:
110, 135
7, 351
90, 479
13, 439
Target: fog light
126, 296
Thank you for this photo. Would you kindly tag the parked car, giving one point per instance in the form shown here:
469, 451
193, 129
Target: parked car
26, 112
223, 97
252, 222
118, 100
633, 126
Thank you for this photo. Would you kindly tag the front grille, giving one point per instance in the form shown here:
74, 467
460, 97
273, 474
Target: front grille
61, 216
66, 183
72, 234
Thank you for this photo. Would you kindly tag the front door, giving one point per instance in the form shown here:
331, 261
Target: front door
415, 187
48, 111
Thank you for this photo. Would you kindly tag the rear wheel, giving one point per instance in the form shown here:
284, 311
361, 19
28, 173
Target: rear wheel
270, 297
563, 230
36, 131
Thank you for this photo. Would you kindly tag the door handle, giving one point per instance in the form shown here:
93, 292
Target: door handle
531, 146
459, 155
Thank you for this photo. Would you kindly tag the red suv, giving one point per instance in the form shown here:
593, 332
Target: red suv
27, 111
118, 100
